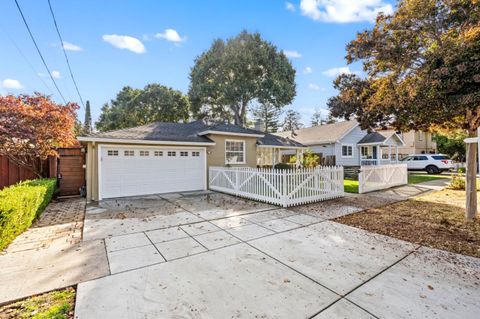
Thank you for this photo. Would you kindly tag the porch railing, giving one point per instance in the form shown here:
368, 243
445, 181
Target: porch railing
281, 187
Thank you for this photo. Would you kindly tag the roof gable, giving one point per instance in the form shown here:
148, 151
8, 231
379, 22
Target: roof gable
323, 134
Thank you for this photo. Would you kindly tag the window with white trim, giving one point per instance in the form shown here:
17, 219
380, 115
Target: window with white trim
347, 150
128, 153
172, 153
112, 152
183, 153
144, 153
158, 153
364, 150
195, 154
234, 152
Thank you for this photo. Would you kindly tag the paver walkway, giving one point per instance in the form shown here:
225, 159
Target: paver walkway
51, 255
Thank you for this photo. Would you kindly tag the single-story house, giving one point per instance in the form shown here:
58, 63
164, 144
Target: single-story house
173, 157
347, 143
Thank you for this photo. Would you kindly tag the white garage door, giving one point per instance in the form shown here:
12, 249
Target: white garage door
130, 171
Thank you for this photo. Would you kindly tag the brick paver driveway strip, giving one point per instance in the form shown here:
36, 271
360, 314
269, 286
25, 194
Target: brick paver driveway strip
234, 282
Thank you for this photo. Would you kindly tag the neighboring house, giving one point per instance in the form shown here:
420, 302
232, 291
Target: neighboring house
348, 144
416, 142
171, 157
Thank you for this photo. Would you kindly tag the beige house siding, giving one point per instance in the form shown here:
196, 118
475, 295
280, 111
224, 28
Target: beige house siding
216, 153
417, 143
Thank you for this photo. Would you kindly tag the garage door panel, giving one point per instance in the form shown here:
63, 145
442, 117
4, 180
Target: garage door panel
137, 175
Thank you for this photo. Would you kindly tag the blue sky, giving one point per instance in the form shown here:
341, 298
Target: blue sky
116, 43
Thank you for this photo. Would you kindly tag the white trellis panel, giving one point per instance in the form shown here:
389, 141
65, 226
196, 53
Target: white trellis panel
281, 187
377, 177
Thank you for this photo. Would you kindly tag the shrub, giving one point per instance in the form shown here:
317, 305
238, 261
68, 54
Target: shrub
282, 166
20, 205
457, 182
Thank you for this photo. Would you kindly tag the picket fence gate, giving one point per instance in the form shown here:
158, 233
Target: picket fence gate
376, 177
286, 187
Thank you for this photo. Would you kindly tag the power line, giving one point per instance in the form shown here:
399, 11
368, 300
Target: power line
65, 53
25, 58
39, 52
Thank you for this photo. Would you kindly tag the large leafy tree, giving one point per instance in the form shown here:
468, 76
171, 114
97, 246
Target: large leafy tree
32, 126
422, 67
234, 74
133, 107
269, 115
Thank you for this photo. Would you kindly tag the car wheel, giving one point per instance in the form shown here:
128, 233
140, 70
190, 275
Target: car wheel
432, 169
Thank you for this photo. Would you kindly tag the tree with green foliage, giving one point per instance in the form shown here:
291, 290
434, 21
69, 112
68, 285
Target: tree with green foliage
87, 123
452, 144
269, 115
422, 66
292, 123
133, 107
234, 74
317, 118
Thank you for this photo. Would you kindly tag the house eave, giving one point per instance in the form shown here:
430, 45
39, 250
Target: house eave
282, 147
229, 133
133, 141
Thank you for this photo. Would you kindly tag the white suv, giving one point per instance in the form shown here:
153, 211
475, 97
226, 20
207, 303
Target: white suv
431, 163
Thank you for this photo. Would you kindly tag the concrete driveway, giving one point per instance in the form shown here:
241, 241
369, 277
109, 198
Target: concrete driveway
208, 255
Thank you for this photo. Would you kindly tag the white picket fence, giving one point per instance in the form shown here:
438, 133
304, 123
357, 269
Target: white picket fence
280, 187
376, 177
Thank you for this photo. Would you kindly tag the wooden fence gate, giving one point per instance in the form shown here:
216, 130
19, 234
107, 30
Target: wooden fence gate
71, 171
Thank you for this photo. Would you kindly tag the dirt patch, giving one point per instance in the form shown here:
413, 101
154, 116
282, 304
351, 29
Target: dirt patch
435, 220
57, 304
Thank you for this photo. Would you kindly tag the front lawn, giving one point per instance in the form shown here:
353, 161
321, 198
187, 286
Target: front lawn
350, 186
420, 178
52, 305
435, 220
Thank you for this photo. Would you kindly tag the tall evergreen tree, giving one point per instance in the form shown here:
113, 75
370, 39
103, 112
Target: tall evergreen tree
317, 118
87, 124
292, 122
269, 115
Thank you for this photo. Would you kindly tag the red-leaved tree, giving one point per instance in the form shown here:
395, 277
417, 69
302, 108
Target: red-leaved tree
32, 127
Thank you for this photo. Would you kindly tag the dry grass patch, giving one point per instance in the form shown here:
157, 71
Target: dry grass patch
435, 220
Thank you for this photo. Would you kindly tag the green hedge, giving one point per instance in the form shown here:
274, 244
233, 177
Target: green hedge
20, 205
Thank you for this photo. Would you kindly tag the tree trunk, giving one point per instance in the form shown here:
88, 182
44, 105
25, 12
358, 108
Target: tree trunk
471, 181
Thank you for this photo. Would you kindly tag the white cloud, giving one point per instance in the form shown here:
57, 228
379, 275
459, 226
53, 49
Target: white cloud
170, 35
313, 86
290, 6
334, 72
11, 84
344, 11
56, 74
71, 47
307, 70
292, 54
125, 42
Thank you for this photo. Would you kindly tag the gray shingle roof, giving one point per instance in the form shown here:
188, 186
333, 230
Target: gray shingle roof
373, 137
323, 134
176, 132
275, 140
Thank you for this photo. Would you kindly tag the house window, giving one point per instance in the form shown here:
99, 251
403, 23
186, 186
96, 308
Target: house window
234, 152
347, 150
195, 154
421, 135
172, 153
112, 152
144, 153
128, 153
364, 150
158, 153
183, 153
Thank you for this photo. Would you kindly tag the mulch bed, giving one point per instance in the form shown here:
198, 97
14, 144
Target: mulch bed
435, 221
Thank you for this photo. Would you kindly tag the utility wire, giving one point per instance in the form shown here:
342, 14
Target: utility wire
25, 58
65, 53
39, 52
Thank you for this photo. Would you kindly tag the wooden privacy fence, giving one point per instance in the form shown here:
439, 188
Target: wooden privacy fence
11, 173
280, 187
377, 177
